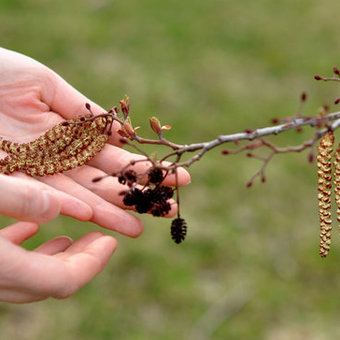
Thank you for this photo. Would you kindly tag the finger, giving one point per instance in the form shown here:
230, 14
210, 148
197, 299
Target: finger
112, 159
108, 188
16, 296
104, 214
19, 232
84, 266
54, 246
70, 103
43, 275
24, 201
61, 281
80, 244
69, 206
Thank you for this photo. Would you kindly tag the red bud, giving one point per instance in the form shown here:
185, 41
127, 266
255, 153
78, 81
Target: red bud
121, 133
336, 70
125, 106
337, 101
155, 125
317, 77
129, 129
310, 158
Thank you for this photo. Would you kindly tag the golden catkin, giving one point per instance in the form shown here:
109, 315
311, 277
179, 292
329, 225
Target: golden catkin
337, 181
324, 163
64, 147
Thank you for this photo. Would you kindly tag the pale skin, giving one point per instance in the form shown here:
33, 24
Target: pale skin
32, 100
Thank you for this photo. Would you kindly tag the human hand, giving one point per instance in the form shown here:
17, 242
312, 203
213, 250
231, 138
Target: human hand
58, 268
33, 99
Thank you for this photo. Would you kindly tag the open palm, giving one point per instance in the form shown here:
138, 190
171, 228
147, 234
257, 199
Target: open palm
33, 99
58, 268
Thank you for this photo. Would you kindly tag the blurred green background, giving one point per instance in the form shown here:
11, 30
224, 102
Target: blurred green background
249, 268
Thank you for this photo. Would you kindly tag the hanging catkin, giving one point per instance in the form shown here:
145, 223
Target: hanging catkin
324, 162
337, 182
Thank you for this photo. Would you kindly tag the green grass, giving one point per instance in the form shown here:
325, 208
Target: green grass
249, 268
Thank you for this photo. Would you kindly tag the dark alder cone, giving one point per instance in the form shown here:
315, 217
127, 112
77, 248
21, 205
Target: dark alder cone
178, 230
129, 176
137, 198
155, 176
153, 200
122, 179
160, 194
143, 206
132, 197
160, 209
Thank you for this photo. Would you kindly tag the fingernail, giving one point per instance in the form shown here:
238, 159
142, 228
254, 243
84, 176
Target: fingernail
51, 206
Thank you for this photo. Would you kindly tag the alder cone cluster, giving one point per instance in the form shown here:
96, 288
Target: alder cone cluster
64, 147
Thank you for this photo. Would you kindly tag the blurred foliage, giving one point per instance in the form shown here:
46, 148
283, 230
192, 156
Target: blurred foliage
249, 268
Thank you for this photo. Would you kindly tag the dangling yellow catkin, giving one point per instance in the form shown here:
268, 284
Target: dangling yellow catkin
337, 182
324, 163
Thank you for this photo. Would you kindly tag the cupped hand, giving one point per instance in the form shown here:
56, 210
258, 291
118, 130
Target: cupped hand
33, 99
58, 268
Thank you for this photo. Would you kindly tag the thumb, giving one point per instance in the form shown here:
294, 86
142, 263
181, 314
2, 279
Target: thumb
70, 103
24, 201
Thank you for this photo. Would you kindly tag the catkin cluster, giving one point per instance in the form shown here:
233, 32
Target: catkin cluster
67, 145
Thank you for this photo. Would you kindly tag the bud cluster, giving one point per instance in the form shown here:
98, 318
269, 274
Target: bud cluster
67, 145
